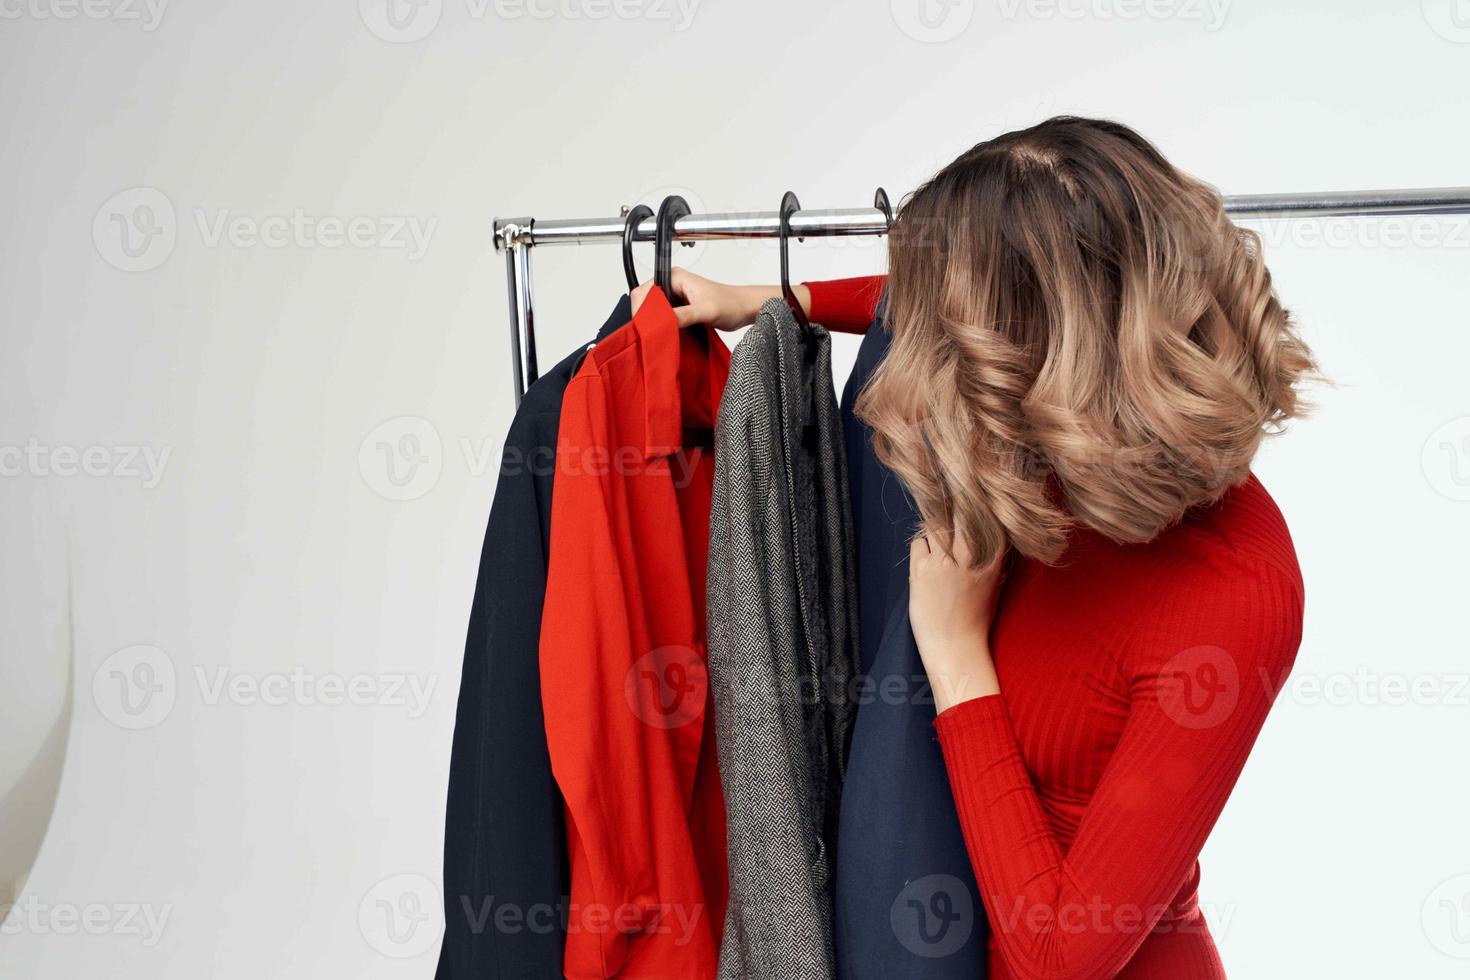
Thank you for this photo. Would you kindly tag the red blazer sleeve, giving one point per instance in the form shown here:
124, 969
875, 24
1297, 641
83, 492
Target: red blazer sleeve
1162, 791
846, 305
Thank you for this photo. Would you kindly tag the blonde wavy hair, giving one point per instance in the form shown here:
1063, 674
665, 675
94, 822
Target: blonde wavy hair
1079, 335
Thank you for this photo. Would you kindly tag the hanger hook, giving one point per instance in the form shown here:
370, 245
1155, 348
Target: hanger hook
672, 209
789, 206
634, 218
880, 201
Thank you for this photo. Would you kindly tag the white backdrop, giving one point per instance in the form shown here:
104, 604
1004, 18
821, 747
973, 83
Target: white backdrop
255, 377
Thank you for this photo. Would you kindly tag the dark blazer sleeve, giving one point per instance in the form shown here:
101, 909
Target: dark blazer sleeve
504, 836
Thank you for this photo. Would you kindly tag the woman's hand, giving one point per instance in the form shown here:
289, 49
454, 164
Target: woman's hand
951, 607
717, 304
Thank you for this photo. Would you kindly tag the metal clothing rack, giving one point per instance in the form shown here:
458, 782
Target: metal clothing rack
517, 236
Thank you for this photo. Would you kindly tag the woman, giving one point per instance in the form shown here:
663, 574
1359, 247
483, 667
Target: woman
1085, 356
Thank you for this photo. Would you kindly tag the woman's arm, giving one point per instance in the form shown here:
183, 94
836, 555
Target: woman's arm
846, 305
1083, 911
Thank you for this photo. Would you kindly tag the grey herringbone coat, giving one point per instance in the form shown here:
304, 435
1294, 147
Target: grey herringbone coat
782, 645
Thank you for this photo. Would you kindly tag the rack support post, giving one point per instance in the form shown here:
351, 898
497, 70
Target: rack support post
513, 237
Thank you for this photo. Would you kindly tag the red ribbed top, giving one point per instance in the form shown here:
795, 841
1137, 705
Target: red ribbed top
1134, 679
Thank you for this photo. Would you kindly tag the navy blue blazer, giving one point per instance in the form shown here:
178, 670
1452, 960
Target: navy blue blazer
906, 900
504, 830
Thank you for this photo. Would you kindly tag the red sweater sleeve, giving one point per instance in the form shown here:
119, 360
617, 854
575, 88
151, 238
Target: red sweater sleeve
846, 305
1082, 912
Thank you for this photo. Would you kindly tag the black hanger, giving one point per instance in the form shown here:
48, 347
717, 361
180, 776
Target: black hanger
880, 201
789, 206
630, 225
672, 209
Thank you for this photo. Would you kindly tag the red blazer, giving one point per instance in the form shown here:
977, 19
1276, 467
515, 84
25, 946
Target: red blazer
623, 679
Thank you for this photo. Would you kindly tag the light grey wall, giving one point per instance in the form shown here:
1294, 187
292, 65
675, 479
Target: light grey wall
262, 457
